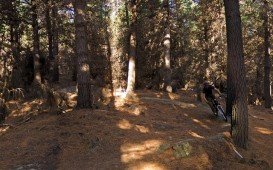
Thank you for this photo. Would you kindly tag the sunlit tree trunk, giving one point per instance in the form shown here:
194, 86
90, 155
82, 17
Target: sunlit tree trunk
116, 50
132, 52
83, 73
267, 62
236, 74
36, 45
167, 45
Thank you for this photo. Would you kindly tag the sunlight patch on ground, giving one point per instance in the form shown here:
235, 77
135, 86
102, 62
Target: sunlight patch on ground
174, 96
200, 123
142, 129
147, 166
195, 135
4, 129
136, 151
169, 102
26, 108
119, 102
135, 110
126, 125
264, 131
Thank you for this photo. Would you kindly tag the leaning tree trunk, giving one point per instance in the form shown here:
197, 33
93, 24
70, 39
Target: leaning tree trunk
167, 46
236, 74
132, 53
84, 99
267, 62
36, 45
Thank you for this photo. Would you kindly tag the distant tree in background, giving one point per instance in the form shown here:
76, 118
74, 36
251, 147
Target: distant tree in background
267, 60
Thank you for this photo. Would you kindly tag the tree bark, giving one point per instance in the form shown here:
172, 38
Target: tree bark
267, 62
49, 29
17, 78
55, 41
84, 99
132, 53
236, 74
36, 45
116, 50
167, 46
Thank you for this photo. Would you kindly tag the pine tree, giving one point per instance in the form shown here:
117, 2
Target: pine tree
236, 74
84, 99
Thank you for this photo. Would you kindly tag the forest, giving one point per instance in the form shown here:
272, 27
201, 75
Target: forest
136, 84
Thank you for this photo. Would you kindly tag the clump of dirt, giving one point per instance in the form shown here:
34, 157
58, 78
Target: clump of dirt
153, 130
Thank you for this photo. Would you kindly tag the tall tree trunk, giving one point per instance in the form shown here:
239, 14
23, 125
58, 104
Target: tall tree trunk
36, 45
258, 85
167, 46
16, 79
55, 36
236, 74
204, 70
49, 58
116, 50
84, 99
132, 53
267, 62
49, 29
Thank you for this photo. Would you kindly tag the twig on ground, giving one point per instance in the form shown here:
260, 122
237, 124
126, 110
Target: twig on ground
256, 117
234, 149
10, 125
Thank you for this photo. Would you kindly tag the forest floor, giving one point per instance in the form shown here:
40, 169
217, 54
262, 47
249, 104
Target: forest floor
152, 130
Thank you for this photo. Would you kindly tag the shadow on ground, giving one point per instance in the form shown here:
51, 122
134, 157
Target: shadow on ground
147, 131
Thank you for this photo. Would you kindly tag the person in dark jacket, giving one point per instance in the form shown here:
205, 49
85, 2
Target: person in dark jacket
209, 90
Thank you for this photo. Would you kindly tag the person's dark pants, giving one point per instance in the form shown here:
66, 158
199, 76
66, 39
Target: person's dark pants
210, 101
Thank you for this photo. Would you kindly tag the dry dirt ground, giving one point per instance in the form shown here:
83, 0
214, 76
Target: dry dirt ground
152, 130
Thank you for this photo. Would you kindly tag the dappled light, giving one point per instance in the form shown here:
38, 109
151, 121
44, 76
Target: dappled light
174, 96
126, 125
147, 166
136, 151
4, 129
264, 131
26, 108
200, 123
137, 85
193, 134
